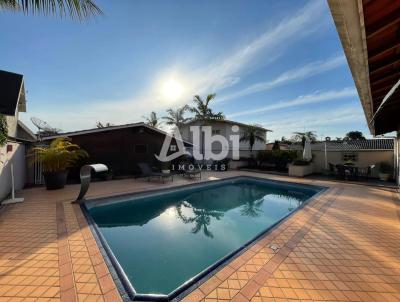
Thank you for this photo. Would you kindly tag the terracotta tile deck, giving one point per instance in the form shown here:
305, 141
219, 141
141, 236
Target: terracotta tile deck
343, 246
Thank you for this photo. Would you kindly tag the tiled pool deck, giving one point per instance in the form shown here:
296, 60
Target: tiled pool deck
343, 246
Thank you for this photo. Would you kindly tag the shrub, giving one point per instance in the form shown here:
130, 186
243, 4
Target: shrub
3, 130
278, 158
385, 168
301, 162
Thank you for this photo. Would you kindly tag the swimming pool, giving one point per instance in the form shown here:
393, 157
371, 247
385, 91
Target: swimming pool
162, 242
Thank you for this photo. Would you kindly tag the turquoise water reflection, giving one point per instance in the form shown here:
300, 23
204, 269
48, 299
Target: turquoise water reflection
161, 241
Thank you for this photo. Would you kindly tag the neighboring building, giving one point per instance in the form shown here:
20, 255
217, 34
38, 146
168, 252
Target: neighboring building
119, 147
362, 153
369, 32
224, 128
12, 102
282, 146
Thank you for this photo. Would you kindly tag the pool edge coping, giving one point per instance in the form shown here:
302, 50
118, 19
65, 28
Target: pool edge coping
125, 287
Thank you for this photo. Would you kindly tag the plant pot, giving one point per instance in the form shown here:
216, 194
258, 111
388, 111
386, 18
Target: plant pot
384, 176
55, 180
300, 171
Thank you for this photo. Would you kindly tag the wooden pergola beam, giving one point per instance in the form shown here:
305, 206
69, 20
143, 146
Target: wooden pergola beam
378, 27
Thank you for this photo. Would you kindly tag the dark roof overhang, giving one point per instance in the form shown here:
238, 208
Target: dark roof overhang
12, 93
370, 34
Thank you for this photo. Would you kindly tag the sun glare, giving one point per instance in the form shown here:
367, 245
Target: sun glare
172, 89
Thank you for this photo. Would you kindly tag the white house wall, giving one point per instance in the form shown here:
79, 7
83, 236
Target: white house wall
12, 124
225, 130
17, 157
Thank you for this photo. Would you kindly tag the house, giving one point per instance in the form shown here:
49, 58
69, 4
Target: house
369, 33
282, 146
12, 102
362, 153
224, 128
119, 147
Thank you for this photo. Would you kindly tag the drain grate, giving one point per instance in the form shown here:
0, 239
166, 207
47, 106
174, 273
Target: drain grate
274, 247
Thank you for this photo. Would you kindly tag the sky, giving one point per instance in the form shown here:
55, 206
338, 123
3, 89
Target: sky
279, 64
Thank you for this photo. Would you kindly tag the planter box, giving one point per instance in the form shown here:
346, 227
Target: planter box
300, 171
236, 164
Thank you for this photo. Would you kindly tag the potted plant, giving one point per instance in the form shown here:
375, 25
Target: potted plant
300, 168
56, 159
385, 171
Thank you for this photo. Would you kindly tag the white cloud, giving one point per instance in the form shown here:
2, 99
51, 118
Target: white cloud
261, 51
316, 97
301, 73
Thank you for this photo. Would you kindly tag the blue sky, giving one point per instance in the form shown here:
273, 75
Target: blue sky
276, 63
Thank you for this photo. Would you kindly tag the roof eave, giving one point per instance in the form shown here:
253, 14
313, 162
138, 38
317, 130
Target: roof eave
349, 20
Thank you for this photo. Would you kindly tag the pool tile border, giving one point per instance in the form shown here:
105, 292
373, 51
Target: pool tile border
67, 288
103, 273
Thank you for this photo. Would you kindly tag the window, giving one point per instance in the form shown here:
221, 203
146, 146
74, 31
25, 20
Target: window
215, 132
350, 156
141, 149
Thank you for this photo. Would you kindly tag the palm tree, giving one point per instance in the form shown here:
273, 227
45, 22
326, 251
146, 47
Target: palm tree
176, 117
252, 208
201, 220
251, 134
152, 120
75, 9
302, 136
202, 111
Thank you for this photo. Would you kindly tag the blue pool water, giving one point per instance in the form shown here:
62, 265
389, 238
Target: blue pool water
164, 239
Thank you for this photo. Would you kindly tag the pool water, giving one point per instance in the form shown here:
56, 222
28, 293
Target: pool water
164, 239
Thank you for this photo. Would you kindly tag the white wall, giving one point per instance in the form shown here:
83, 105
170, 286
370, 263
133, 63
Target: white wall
225, 129
17, 157
12, 123
365, 159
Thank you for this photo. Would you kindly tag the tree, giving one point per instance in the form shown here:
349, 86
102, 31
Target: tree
176, 117
201, 220
101, 125
354, 135
75, 9
276, 145
251, 134
3, 130
302, 136
284, 140
202, 111
152, 120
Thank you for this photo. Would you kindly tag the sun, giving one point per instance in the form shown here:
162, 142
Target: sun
172, 89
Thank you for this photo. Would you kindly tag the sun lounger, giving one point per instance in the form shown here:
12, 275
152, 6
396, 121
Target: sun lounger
149, 173
196, 173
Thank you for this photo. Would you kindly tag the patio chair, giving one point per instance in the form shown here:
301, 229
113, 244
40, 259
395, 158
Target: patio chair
367, 172
149, 173
343, 173
196, 173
